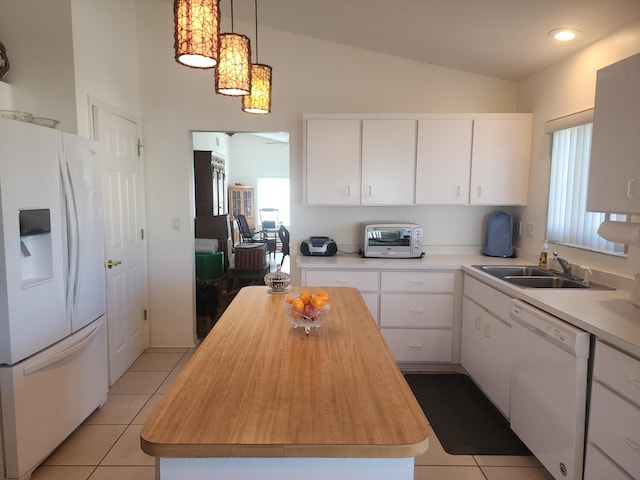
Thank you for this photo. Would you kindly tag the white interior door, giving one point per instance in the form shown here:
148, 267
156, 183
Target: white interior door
125, 246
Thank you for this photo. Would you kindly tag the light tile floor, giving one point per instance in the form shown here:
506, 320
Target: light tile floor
107, 445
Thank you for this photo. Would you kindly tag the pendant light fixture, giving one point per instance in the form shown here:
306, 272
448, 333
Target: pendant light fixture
233, 73
259, 100
197, 28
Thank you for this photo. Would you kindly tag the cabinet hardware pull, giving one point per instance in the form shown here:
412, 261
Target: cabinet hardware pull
487, 331
416, 310
458, 190
417, 282
478, 323
369, 190
339, 280
631, 442
631, 188
635, 382
348, 190
415, 345
479, 190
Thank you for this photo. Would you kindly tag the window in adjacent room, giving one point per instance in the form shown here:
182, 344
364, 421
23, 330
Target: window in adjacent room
274, 193
568, 222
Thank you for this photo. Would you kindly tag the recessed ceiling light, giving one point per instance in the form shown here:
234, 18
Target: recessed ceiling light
564, 34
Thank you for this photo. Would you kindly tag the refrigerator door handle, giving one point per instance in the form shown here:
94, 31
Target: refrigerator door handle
57, 357
73, 235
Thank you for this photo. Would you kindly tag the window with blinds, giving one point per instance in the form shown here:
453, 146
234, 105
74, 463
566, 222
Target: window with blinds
568, 221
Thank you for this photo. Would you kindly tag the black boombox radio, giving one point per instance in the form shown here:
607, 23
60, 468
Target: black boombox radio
318, 246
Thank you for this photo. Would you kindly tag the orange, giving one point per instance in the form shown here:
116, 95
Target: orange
298, 305
289, 300
306, 298
317, 301
323, 294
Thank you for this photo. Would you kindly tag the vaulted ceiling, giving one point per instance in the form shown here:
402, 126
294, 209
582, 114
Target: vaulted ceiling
506, 39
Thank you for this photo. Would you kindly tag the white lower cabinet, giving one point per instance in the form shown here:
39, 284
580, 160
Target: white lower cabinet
486, 341
366, 281
416, 315
414, 308
598, 466
614, 418
417, 345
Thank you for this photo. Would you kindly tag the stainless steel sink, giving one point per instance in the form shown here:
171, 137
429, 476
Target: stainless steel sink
502, 271
531, 276
545, 282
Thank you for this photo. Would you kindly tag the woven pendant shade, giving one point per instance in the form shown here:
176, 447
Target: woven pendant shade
259, 100
197, 25
233, 73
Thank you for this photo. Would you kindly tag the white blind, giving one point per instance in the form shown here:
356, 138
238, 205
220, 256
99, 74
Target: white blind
568, 221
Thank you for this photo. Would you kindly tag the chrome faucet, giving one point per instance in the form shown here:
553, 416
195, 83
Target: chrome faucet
565, 264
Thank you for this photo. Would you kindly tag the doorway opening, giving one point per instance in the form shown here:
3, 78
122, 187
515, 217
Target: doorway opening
248, 171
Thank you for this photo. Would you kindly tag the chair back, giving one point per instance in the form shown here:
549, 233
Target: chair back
243, 228
283, 234
269, 218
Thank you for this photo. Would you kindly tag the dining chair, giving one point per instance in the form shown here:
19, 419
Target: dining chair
283, 234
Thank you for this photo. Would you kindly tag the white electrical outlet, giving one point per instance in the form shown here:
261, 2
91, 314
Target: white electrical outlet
529, 229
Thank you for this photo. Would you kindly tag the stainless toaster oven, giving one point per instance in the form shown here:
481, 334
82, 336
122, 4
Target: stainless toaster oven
392, 240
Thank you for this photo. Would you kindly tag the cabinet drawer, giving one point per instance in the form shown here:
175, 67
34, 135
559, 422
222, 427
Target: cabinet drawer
618, 370
343, 278
599, 467
417, 282
416, 310
416, 345
494, 301
614, 427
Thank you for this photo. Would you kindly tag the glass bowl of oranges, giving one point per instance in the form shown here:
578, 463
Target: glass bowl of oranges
307, 310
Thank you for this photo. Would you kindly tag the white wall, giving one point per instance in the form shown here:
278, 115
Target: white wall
62, 52
253, 157
309, 76
38, 39
106, 58
568, 87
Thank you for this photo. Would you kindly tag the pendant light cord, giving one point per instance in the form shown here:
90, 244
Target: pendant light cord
256, 5
232, 31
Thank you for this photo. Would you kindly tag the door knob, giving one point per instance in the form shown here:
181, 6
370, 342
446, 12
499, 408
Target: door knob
111, 263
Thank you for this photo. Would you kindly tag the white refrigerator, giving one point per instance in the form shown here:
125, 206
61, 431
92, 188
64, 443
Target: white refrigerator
53, 347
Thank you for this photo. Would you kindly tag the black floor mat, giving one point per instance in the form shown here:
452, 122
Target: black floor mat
464, 420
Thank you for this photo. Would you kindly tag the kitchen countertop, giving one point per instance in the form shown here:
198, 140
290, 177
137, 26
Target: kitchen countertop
609, 315
258, 388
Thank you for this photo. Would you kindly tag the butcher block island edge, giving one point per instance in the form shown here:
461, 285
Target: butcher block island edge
256, 387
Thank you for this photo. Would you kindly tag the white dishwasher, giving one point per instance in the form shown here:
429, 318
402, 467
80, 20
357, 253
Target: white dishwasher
549, 388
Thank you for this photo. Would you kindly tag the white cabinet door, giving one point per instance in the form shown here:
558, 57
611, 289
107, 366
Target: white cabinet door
496, 377
388, 162
500, 160
472, 346
426, 310
332, 162
614, 171
597, 466
418, 344
486, 353
416, 281
442, 161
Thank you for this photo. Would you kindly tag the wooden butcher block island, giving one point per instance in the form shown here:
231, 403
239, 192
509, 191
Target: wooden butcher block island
260, 399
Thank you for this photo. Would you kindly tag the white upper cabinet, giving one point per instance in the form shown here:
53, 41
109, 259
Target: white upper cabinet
388, 162
614, 173
333, 161
500, 160
443, 161
466, 159
478, 160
